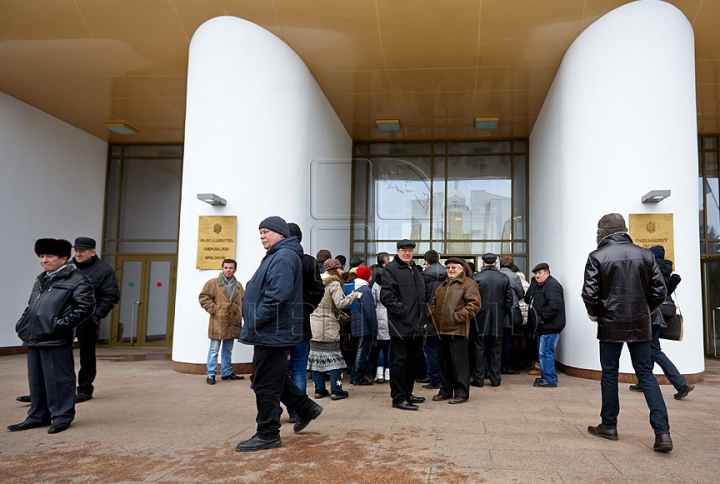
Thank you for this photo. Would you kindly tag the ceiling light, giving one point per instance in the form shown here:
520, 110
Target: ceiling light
211, 198
486, 123
655, 196
120, 128
388, 124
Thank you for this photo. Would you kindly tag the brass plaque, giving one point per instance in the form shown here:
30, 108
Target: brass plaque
648, 229
216, 240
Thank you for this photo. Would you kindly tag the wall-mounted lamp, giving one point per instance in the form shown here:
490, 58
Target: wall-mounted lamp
212, 199
388, 125
486, 123
655, 196
120, 128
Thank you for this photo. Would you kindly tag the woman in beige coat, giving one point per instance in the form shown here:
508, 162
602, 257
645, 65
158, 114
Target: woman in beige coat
222, 298
325, 323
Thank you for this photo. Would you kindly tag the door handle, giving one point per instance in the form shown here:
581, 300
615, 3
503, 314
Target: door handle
136, 310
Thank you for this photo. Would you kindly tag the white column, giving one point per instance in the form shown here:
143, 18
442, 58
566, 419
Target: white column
619, 121
257, 126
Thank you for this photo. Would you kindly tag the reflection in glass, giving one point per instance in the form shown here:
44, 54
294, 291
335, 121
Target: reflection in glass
400, 148
479, 147
438, 199
129, 305
158, 300
111, 197
520, 197
712, 299
710, 142
359, 198
153, 150
712, 195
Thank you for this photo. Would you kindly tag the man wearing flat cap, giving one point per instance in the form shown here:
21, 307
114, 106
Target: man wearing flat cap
402, 292
546, 318
623, 285
61, 299
486, 334
273, 316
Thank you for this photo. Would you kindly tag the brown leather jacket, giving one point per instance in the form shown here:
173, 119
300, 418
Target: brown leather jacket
455, 304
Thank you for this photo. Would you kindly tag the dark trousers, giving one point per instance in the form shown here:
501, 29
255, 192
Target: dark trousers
359, 368
506, 348
431, 359
51, 375
671, 372
272, 385
87, 335
403, 352
489, 347
453, 366
643, 365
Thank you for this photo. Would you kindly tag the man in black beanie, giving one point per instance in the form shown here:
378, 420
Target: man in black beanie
623, 285
61, 299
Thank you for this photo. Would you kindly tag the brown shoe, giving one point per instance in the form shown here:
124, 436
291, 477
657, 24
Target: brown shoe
440, 397
534, 372
604, 432
663, 443
456, 400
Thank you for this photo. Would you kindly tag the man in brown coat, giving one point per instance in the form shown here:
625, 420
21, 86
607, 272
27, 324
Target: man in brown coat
222, 298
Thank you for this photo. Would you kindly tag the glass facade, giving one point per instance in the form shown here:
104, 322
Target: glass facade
459, 198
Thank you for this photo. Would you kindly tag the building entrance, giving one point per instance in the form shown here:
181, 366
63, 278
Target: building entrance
144, 315
711, 294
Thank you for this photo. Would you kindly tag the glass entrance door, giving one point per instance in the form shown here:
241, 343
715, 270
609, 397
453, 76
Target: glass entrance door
711, 283
144, 315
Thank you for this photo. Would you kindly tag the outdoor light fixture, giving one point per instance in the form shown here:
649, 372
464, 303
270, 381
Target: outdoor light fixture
486, 123
388, 124
120, 128
212, 199
655, 196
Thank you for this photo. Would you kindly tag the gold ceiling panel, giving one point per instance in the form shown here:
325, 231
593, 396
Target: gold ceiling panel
349, 82
50, 20
433, 80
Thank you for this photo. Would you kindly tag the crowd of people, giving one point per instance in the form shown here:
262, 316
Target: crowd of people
445, 325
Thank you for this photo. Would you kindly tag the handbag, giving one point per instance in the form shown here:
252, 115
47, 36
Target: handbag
668, 308
674, 329
517, 317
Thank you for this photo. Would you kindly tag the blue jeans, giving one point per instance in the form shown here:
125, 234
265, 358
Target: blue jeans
430, 350
297, 369
671, 372
546, 356
643, 365
361, 358
226, 357
383, 354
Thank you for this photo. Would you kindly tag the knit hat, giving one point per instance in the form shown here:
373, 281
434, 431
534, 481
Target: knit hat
295, 231
276, 224
658, 250
331, 264
364, 272
58, 247
609, 224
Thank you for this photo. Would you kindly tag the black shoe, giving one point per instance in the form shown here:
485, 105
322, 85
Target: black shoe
604, 432
321, 393
362, 382
339, 394
440, 398
636, 388
27, 426
476, 384
544, 384
682, 393
256, 443
210, 380
494, 385
58, 427
457, 400
663, 443
537, 380
82, 397
405, 406
414, 399
422, 380
303, 422
509, 371
23, 398
430, 386
233, 376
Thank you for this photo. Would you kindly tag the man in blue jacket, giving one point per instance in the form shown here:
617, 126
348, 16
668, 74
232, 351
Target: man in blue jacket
273, 317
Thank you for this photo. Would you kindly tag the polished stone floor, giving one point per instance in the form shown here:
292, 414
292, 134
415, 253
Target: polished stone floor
150, 424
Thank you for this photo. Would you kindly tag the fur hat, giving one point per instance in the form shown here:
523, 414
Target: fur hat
58, 247
364, 272
276, 224
609, 224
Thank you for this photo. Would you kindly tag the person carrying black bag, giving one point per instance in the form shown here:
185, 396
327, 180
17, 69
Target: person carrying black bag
659, 317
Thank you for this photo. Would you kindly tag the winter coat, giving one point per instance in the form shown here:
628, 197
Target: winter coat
623, 285
105, 286
547, 310
313, 291
272, 306
497, 299
455, 304
521, 303
671, 280
380, 312
363, 320
433, 276
57, 304
324, 321
225, 311
518, 293
403, 294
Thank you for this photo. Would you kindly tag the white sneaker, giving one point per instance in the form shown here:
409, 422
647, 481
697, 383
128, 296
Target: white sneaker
379, 378
387, 374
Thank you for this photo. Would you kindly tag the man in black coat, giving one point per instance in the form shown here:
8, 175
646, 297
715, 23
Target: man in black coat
61, 299
486, 334
546, 318
403, 294
623, 285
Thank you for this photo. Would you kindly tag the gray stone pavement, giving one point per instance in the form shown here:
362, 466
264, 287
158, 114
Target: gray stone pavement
150, 424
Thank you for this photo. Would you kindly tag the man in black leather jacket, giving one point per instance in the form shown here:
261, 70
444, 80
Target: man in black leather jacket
61, 299
623, 285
